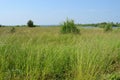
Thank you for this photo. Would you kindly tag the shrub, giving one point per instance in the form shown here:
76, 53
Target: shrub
12, 30
30, 23
108, 27
69, 27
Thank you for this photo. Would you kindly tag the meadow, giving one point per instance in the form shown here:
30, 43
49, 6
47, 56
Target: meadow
43, 53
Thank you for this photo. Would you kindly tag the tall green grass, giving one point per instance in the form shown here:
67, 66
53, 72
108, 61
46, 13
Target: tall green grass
45, 54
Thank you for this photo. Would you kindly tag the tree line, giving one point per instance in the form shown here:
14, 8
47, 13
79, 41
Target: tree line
30, 23
69, 26
101, 25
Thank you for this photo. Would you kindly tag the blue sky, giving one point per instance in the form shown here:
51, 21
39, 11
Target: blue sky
48, 12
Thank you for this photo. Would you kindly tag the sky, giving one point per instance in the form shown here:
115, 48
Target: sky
54, 12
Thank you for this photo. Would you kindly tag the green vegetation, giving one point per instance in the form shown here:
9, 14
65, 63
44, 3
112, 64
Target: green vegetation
30, 23
101, 25
45, 54
108, 27
12, 30
69, 27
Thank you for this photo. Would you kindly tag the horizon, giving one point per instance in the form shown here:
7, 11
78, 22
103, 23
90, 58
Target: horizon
52, 12
61, 24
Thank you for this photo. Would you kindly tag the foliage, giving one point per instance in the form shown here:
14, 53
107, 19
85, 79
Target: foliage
17, 26
12, 30
108, 27
101, 25
30, 23
69, 27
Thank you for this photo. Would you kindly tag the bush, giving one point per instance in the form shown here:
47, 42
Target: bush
108, 27
12, 30
30, 23
69, 27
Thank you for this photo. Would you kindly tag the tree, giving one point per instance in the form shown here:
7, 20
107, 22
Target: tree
30, 23
108, 27
69, 27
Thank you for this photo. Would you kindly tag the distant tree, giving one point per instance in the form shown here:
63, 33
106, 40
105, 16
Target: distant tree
118, 24
102, 25
0, 25
30, 23
17, 26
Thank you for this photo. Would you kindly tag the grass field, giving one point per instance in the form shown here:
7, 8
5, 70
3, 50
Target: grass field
46, 54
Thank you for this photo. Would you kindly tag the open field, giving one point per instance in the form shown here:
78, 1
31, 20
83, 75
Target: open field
45, 54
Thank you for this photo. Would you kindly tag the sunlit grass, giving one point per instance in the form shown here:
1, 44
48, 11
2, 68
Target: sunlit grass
46, 54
